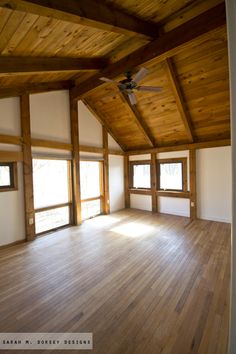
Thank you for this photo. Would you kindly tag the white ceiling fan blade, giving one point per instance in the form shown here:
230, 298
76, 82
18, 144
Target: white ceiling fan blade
140, 75
149, 88
105, 79
132, 98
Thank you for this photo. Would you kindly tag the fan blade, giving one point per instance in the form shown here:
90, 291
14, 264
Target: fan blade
105, 79
132, 98
149, 88
140, 75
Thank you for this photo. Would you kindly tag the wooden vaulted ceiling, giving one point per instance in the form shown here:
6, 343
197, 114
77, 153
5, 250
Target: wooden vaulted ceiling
50, 45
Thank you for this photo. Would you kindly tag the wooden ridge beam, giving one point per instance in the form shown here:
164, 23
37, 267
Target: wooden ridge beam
197, 145
181, 105
11, 64
96, 114
86, 12
164, 46
139, 121
34, 88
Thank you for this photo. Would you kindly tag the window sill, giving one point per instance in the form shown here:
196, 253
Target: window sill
174, 194
140, 191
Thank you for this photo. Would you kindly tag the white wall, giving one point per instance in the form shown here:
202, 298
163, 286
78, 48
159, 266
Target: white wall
12, 227
231, 28
174, 206
116, 183
12, 223
10, 116
214, 184
50, 116
90, 130
140, 201
112, 144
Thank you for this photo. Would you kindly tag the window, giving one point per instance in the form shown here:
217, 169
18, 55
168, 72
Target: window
173, 174
52, 194
8, 176
140, 174
91, 188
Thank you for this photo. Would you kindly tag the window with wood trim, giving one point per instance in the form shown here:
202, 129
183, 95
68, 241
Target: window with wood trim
91, 188
140, 174
52, 194
8, 176
172, 174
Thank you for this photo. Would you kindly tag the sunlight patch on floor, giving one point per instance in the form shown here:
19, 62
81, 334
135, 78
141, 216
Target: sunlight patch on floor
133, 229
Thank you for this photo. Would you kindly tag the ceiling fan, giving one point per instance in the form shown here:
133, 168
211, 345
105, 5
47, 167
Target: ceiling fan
130, 84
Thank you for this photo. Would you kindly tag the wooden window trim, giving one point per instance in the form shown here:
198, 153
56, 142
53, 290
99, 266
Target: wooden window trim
13, 177
131, 169
183, 161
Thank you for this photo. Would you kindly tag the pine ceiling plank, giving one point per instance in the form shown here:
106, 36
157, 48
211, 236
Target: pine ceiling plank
41, 64
184, 113
22, 30
10, 28
87, 12
33, 37
139, 121
165, 46
4, 16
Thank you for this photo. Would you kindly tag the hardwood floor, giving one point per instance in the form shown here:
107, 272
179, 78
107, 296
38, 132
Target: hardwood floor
142, 283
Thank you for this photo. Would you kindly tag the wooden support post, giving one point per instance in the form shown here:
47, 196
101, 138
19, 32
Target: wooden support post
193, 199
154, 182
27, 168
126, 181
106, 201
75, 162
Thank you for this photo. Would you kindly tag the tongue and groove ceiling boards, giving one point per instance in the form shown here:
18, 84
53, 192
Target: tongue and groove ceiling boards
52, 45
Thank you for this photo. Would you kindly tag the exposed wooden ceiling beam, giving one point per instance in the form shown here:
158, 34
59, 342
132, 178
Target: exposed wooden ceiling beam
181, 105
139, 121
197, 145
165, 46
11, 64
86, 12
34, 88
96, 114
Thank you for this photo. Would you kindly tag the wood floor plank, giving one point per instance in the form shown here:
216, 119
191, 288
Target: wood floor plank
141, 282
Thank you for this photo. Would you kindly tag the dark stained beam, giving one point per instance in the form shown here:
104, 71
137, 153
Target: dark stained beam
106, 198
97, 115
27, 168
197, 145
11, 64
165, 46
74, 123
86, 12
181, 105
34, 88
139, 121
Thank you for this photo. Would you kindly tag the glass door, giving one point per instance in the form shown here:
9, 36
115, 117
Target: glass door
91, 188
52, 194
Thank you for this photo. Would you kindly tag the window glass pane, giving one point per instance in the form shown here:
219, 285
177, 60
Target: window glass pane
5, 176
51, 219
171, 176
141, 178
51, 182
90, 209
89, 179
